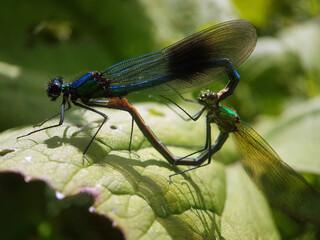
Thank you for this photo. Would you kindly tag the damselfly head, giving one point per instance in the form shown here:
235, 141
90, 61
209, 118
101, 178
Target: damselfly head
55, 88
207, 97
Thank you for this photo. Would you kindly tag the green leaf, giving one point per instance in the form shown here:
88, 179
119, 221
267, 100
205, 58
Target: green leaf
132, 189
247, 218
249, 8
295, 136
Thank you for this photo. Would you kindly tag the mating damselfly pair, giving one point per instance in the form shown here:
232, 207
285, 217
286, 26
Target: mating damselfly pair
192, 64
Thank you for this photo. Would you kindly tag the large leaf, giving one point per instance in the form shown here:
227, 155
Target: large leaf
295, 136
132, 189
246, 218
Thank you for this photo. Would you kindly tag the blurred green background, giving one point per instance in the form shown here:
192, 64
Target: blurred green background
43, 39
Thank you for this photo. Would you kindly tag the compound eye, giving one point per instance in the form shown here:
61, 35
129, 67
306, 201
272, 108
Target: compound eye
54, 88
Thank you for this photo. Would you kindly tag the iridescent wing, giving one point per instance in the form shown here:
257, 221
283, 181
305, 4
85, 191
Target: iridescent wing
188, 64
283, 187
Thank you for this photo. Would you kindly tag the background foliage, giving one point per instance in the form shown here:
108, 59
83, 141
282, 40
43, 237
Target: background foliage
43, 39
